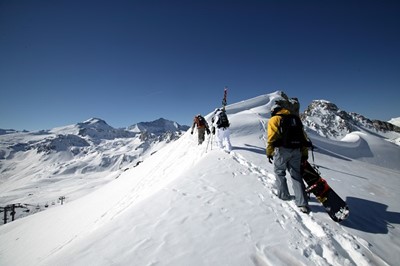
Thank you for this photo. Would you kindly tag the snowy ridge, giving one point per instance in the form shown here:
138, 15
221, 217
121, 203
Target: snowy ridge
186, 205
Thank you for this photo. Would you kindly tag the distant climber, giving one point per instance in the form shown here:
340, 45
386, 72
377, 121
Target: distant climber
202, 127
220, 128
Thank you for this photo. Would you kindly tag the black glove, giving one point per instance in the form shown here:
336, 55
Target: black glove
270, 158
208, 131
309, 145
213, 130
191, 132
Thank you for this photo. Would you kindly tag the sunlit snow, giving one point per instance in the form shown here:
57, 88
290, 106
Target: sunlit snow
189, 205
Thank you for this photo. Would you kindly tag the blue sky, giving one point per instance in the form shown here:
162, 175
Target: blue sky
62, 62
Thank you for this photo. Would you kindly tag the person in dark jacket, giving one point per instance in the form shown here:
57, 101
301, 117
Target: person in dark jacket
202, 127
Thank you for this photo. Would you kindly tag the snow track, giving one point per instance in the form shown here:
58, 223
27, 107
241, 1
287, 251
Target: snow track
324, 243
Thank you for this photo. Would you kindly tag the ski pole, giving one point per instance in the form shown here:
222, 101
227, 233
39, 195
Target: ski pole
208, 142
312, 153
211, 140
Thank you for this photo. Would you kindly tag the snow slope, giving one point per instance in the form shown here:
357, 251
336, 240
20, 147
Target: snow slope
395, 121
186, 205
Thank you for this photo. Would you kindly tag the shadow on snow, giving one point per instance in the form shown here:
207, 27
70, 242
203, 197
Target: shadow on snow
370, 216
251, 148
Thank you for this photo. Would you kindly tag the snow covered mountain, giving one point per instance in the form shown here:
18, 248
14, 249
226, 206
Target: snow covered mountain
72, 159
395, 121
158, 126
189, 205
161, 128
8, 131
329, 121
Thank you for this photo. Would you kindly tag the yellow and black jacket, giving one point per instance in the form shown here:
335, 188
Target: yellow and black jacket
274, 135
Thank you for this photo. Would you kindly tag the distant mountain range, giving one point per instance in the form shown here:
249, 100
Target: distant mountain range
90, 132
74, 158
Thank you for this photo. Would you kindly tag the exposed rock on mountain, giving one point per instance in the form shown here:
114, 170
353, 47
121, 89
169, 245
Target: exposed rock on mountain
329, 121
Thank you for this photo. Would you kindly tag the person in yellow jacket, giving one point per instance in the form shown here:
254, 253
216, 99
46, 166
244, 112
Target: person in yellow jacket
286, 158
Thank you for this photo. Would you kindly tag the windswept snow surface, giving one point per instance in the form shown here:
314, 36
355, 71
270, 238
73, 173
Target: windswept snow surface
395, 121
186, 205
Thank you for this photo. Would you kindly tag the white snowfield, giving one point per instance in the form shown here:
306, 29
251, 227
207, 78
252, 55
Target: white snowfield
187, 206
395, 121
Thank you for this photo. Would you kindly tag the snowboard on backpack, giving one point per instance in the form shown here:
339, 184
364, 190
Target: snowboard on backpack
334, 205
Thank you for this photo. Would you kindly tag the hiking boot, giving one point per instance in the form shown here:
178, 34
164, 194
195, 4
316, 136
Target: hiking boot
287, 198
304, 209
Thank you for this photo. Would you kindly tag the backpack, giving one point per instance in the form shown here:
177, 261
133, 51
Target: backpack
222, 120
291, 104
292, 134
200, 121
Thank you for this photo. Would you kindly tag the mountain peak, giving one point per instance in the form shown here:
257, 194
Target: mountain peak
323, 104
94, 120
329, 121
160, 125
